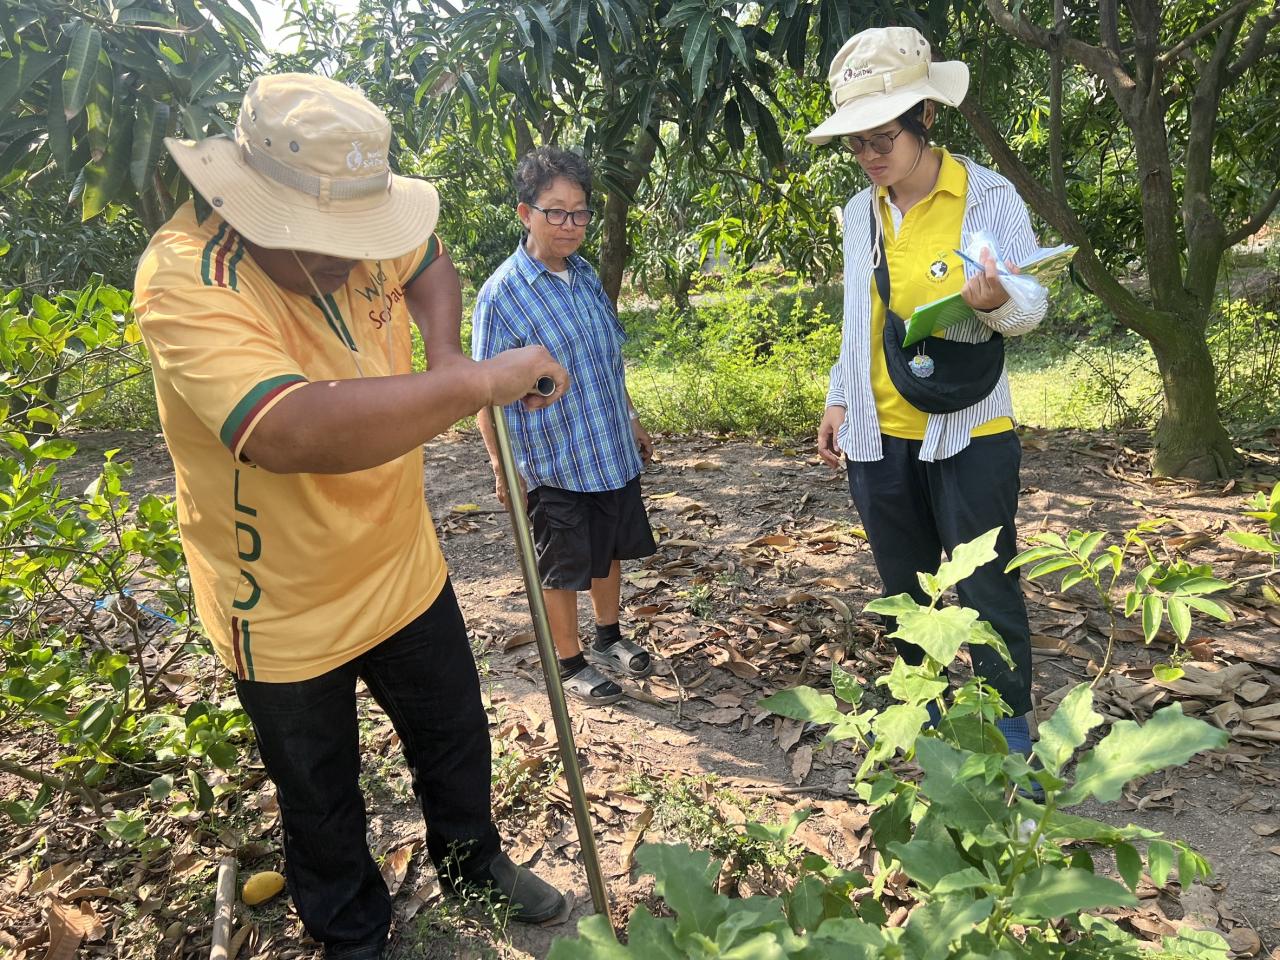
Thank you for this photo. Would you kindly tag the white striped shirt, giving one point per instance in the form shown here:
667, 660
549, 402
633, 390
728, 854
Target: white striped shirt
991, 204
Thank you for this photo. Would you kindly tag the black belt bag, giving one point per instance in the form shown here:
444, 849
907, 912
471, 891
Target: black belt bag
935, 375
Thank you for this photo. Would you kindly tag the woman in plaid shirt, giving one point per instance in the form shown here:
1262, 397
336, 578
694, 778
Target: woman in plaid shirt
580, 459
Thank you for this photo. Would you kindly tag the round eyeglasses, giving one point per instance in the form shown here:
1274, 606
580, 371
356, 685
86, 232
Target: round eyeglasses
881, 143
556, 217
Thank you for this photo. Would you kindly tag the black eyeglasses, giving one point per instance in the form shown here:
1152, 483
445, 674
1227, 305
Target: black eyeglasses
881, 143
556, 217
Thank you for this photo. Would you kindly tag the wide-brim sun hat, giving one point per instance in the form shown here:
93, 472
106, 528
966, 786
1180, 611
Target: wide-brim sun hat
307, 170
880, 74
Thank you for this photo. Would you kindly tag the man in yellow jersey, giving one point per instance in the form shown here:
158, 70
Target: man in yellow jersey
278, 327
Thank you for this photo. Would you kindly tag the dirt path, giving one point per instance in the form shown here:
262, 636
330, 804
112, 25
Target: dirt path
758, 583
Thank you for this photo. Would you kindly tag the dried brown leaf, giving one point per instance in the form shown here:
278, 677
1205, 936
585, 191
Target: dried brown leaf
518, 640
53, 875
722, 716
1244, 942
801, 763
789, 734
67, 928
396, 864
634, 834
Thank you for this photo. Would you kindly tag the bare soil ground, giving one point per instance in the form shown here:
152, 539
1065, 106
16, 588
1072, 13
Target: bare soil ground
758, 584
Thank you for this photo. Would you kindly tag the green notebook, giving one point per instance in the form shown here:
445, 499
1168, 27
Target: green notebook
932, 318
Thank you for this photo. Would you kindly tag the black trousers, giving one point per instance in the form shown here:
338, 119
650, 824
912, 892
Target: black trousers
913, 511
425, 678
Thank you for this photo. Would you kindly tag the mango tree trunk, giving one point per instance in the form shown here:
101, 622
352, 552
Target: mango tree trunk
615, 246
1190, 440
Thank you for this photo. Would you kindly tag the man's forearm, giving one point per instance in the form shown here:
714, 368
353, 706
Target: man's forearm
340, 426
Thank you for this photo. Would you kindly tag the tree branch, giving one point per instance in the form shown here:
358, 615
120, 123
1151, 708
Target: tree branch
1109, 25
1057, 169
1256, 222
1255, 44
1127, 308
92, 797
1097, 60
1192, 39
1204, 231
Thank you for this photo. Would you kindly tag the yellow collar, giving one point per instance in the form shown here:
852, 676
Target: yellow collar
952, 178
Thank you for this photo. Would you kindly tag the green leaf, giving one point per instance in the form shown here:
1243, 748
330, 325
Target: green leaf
1159, 861
1032, 555
891, 823
200, 787
1129, 751
1090, 543
82, 66
210, 69
845, 684
1180, 618
931, 855
1152, 614
1051, 566
966, 558
697, 51
1049, 892
1210, 607
803, 703
577, 20
914, 684
1063, 733
933, 928
897, 728
940, 633
19, 72
684, 880
1195, 945
894, 606
103, 179
1253, 541
59, 133
597, 942
1129, 864
732, 34
965, 803
148, 136
805, 907
858, 940
54, 449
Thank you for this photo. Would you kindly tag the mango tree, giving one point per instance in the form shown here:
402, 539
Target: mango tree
1155, 147
614, 71
89, 89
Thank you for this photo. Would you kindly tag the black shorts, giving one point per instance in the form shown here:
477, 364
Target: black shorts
579, 535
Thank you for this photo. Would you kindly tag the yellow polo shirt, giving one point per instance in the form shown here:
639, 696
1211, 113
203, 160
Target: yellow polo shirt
293, 574
923, 266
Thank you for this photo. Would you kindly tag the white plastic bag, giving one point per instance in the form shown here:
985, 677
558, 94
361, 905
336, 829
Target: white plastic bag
1027, 292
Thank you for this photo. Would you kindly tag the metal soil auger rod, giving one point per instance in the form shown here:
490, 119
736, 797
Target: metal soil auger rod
547, 654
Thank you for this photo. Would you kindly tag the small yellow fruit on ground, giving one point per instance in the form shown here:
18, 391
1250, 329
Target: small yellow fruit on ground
261, 887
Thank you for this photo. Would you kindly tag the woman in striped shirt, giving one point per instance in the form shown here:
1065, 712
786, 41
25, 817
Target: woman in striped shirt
925, 482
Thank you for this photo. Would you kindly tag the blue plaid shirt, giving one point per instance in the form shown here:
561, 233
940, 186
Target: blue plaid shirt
583, 441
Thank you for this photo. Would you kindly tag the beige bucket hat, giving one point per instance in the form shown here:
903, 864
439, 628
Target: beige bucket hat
879, 74
307, 170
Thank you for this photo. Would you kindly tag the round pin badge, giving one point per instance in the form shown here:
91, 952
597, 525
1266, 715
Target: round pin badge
939, 269
922, 365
